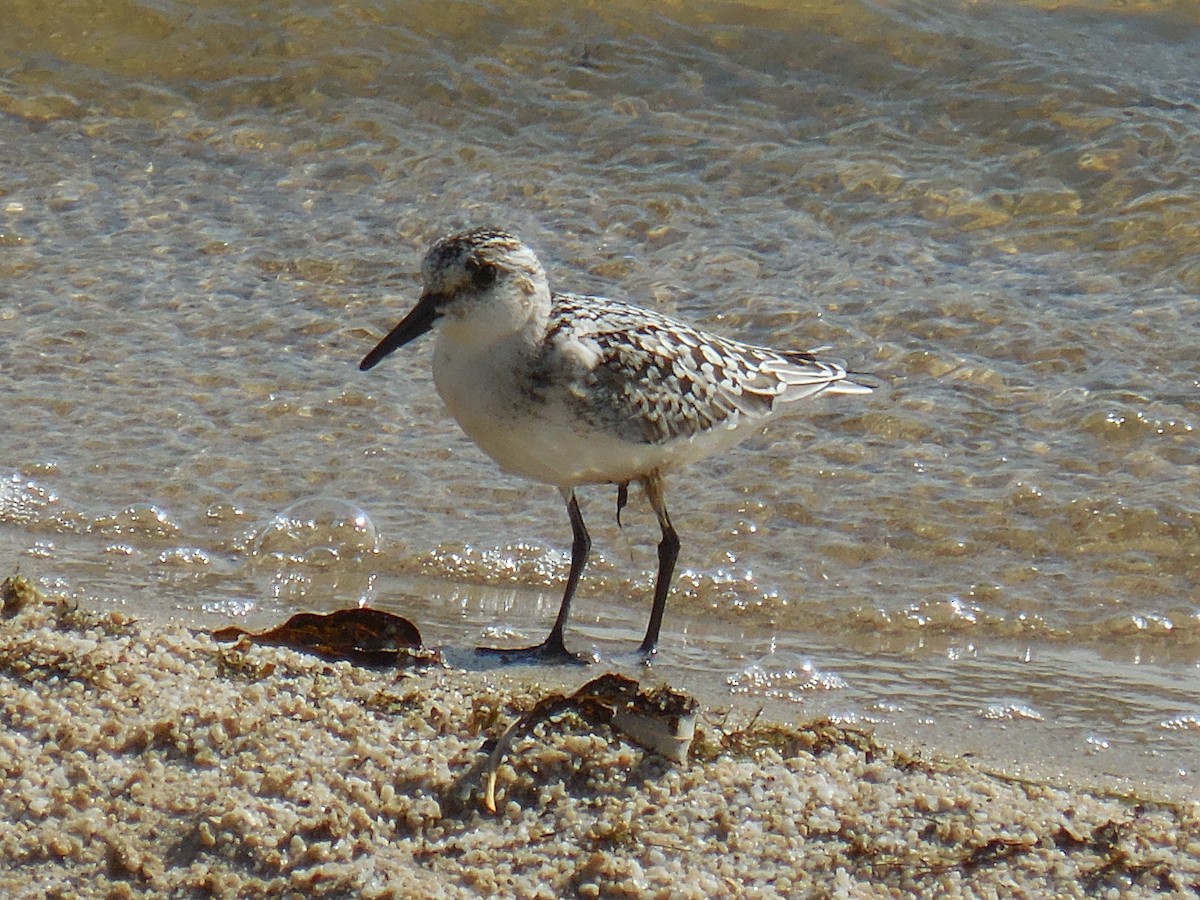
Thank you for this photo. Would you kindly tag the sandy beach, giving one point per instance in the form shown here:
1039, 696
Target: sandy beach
154, 761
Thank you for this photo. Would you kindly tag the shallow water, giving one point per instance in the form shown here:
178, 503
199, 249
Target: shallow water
208, 215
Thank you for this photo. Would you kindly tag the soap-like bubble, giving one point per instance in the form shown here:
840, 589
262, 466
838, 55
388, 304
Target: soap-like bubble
319, 531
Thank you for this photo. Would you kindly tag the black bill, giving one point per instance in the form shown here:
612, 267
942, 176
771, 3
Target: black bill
419, 320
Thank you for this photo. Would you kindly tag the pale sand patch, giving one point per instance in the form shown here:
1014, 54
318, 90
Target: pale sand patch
150, 761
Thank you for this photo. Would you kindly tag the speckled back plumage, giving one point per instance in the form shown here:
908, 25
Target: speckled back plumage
656, 379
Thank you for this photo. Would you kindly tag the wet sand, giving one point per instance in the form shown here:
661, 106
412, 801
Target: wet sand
148, 760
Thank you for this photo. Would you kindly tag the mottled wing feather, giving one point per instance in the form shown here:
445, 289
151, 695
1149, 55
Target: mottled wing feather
653, 379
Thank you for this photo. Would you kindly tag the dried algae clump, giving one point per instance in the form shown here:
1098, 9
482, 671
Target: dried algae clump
366, 637
17, 592
663, 721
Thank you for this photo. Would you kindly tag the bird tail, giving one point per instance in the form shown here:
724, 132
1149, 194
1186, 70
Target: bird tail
846, 386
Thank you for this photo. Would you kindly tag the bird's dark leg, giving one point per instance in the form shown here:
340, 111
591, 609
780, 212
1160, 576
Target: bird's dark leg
622, 499
581, 545
553, 647
668, 552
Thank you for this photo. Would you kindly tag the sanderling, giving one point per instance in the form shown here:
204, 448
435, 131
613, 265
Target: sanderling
572, 390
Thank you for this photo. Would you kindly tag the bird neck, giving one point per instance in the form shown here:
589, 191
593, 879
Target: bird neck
521, 317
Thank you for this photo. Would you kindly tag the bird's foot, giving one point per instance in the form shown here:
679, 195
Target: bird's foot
548, 651
647, 654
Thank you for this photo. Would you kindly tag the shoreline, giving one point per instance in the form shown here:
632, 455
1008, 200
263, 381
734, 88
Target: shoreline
149, 760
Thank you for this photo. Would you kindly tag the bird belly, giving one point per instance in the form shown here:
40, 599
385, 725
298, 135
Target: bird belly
567, 454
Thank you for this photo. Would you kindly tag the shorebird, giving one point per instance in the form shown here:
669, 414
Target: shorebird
573, 390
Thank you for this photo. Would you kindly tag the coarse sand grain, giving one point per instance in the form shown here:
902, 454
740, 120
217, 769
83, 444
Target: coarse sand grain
152, 761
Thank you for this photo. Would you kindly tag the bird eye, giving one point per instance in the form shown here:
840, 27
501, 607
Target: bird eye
483, 275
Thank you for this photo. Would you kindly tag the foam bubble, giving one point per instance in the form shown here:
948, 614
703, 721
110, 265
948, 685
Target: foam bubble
317, 531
